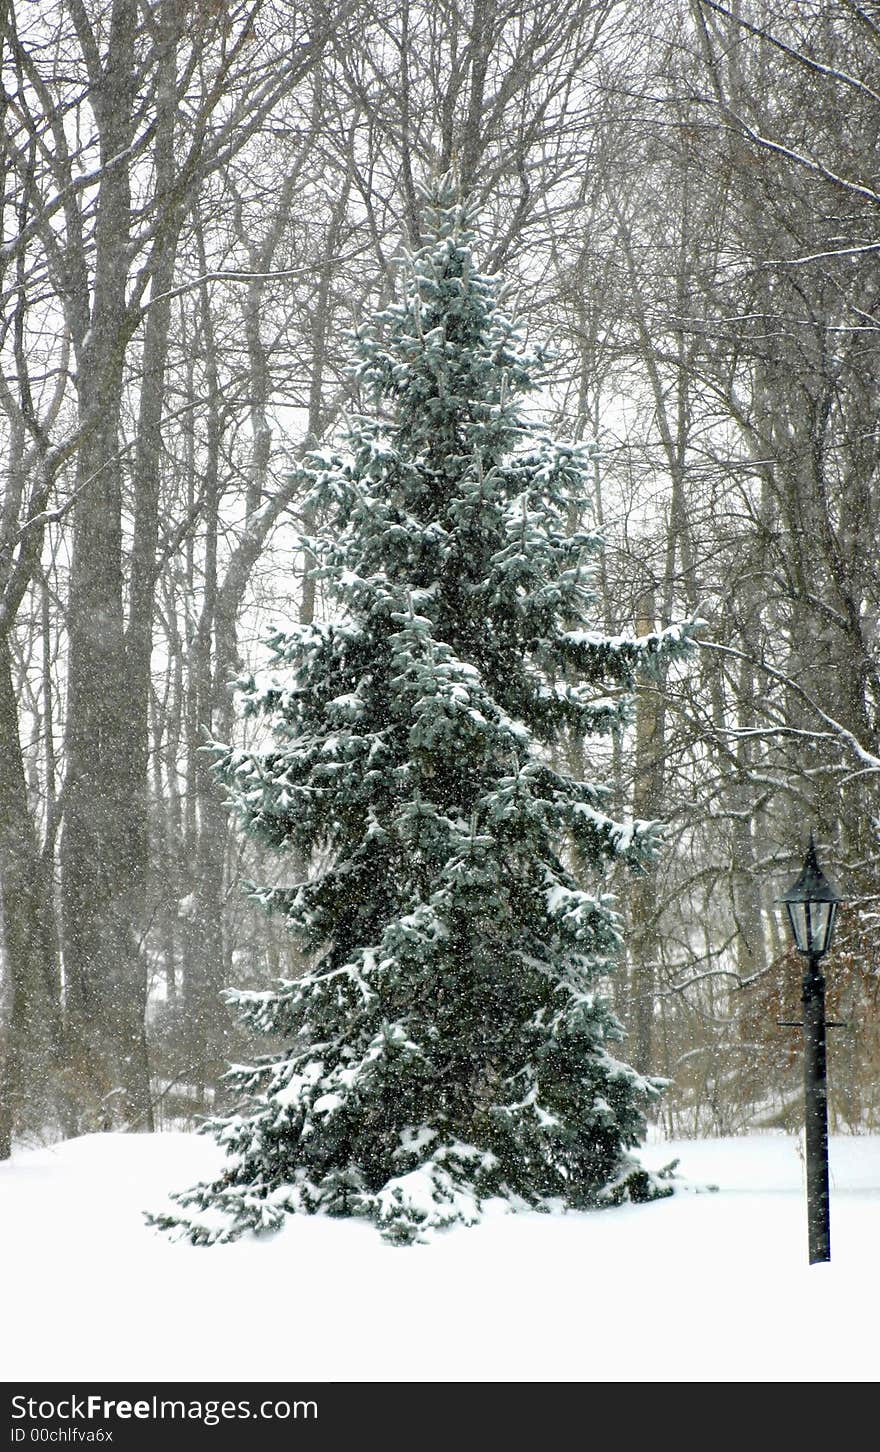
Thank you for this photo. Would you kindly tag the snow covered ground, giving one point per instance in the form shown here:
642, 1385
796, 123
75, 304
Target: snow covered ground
701, 1287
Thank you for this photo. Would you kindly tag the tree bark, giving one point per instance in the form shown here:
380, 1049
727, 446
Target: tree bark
31, 1039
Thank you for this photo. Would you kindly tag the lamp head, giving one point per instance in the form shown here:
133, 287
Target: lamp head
811, 903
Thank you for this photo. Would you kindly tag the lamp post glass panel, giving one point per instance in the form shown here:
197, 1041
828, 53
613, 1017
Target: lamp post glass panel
811, 903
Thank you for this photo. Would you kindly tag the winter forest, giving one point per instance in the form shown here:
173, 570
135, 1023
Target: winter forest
225, 225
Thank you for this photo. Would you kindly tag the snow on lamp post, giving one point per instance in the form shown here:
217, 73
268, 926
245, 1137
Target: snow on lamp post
811, 903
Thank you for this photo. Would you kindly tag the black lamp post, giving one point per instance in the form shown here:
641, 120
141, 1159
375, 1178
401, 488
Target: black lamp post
811, 903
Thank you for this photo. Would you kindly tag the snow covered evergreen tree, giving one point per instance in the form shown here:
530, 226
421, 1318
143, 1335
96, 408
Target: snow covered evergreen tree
450, 1042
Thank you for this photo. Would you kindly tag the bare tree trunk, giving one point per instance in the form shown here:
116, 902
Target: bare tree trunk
101, 845
203, 937
647, 799
30, 1042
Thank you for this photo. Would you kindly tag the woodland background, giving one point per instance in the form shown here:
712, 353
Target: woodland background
200, 198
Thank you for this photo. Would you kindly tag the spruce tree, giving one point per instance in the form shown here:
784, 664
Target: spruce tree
450, 1042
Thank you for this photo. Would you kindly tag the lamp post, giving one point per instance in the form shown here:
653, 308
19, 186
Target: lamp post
811, 903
